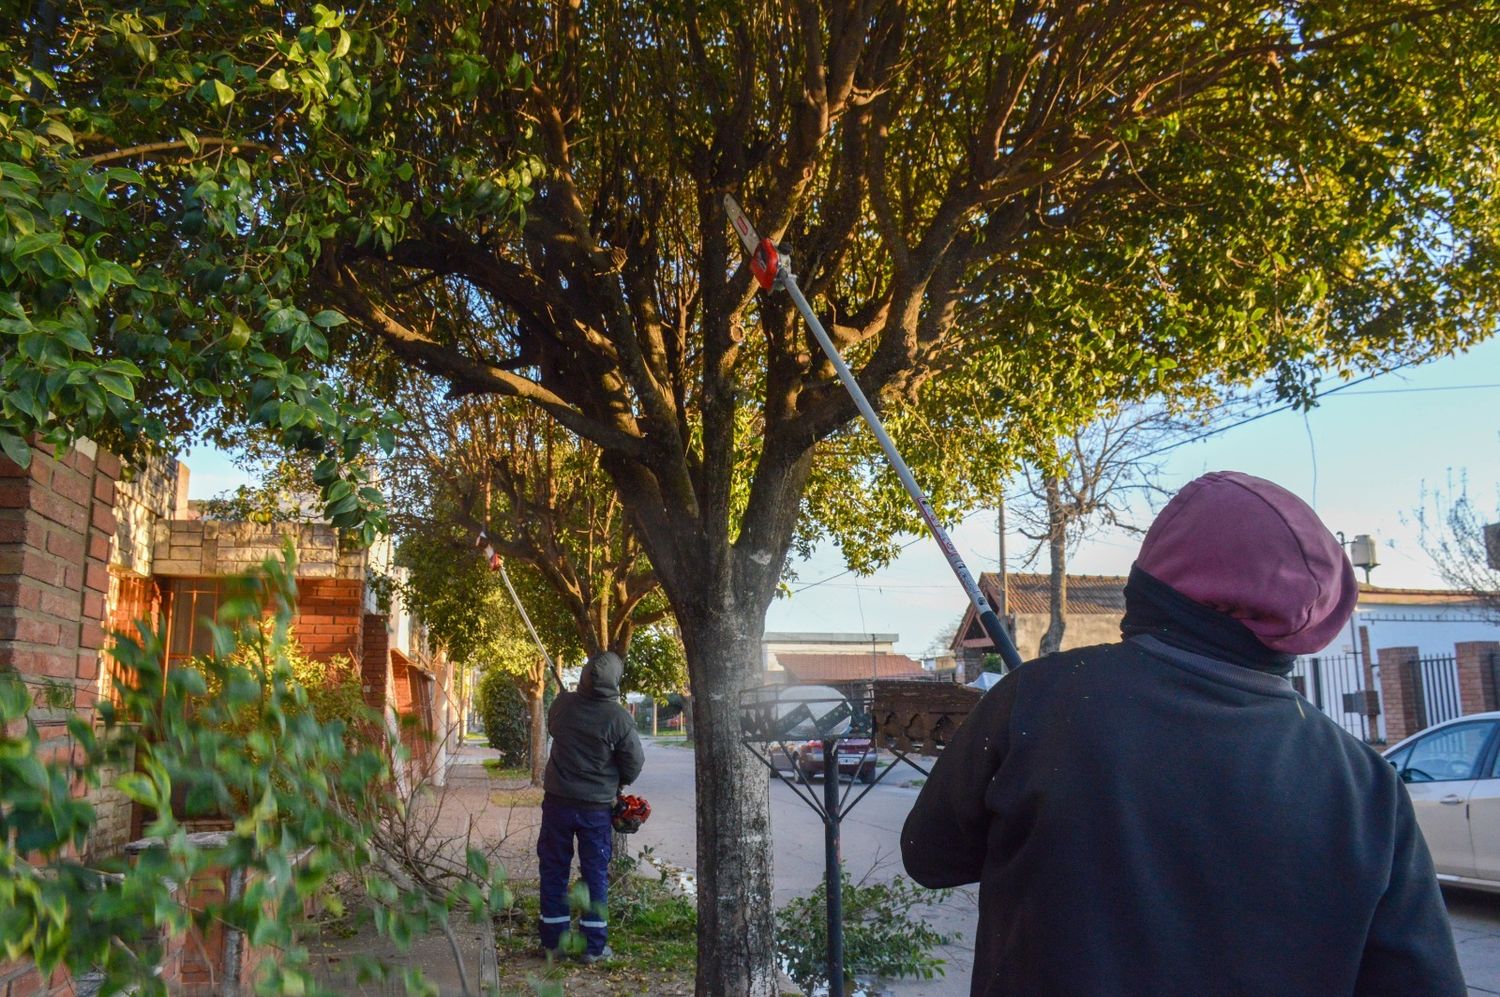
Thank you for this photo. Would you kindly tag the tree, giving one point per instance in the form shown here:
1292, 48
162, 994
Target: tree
541, 497
468, 610
1462, 541
1009, 214
1087, 480
1053, 206
656, 666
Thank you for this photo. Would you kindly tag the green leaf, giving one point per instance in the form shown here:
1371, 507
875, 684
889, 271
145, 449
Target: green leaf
17, 449
239, 335
76, 338
36, 242
194, 146
278, 80
116, 384
57, 129
15, 171
72, 259
223, 93
138, 787
328, 318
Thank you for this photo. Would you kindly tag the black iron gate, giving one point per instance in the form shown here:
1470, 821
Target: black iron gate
1435, 686
1335, 684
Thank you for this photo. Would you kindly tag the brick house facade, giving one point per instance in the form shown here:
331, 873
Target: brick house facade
89, 547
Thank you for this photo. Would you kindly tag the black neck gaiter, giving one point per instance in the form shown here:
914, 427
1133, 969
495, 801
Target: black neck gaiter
1155, 609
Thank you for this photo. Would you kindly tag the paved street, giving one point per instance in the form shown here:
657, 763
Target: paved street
871, 836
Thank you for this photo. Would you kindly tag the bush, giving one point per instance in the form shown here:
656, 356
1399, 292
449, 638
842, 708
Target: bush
882, 939
310, 802
507, 717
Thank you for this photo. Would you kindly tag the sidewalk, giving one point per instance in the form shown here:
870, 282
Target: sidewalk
492, 815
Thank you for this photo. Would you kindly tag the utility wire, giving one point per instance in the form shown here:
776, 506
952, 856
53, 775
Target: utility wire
1206, 434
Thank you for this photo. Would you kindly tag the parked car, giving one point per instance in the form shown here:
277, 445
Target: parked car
856, 759
1452, 773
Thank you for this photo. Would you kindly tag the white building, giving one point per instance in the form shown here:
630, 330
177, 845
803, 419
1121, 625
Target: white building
865, 644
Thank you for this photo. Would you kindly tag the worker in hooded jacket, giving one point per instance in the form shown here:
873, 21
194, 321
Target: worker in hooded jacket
1166, 815
595, 753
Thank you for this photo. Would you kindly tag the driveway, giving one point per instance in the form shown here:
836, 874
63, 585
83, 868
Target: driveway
871, 846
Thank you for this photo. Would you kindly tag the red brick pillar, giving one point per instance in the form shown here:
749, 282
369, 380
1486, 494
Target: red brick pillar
1478, 670
376, 664
1398, 666
56, 520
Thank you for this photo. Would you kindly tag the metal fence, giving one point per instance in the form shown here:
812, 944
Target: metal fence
1435, 686
1335, 684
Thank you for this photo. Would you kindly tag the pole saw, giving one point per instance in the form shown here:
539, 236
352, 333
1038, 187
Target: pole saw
771, 267
497, 563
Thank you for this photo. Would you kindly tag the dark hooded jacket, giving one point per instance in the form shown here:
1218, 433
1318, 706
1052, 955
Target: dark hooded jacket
595, 750
1168, 816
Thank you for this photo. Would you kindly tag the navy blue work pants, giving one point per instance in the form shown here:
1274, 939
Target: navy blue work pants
562, 824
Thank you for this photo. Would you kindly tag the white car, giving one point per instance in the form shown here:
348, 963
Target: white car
1452, 773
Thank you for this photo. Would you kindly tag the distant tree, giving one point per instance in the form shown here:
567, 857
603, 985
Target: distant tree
1093, 478
1461, 538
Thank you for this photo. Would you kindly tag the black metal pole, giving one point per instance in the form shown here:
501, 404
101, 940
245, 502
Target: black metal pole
833, 868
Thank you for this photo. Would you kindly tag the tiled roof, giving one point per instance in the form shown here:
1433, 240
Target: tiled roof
1374, 595
1087, 594
814, 668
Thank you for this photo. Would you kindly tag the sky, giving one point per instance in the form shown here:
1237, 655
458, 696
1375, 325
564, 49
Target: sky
1364, 459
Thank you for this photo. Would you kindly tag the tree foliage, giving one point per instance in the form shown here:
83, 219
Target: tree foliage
1008, 214
169, 174
541, 497
656, 664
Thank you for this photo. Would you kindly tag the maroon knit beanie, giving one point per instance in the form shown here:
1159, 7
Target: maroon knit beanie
1255, 552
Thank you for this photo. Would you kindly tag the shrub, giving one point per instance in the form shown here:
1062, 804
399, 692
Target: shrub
507, 717
309, 801
882, 939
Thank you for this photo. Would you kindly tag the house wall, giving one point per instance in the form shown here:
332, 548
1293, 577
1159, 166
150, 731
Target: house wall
1430, 629
1083, 630
206, 548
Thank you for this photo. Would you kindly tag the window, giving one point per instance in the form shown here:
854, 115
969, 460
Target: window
1451, 753
195, 603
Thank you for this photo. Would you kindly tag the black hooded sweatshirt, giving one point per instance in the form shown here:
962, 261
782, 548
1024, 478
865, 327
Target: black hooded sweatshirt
595, 749
1144, 819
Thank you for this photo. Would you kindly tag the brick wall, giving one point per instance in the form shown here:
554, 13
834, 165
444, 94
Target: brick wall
330, 617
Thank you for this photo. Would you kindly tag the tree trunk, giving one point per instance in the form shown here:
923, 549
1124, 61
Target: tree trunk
736, 939
654, 713
687, 714
1057, 553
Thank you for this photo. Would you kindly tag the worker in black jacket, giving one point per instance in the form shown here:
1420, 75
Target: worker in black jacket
595, 752
1167, 816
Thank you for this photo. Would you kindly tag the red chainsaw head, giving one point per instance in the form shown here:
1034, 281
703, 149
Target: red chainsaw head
765, 262
629, 814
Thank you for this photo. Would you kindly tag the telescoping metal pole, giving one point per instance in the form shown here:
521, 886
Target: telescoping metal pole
769, 267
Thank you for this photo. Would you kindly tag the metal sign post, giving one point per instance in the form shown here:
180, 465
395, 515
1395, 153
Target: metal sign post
767, 726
